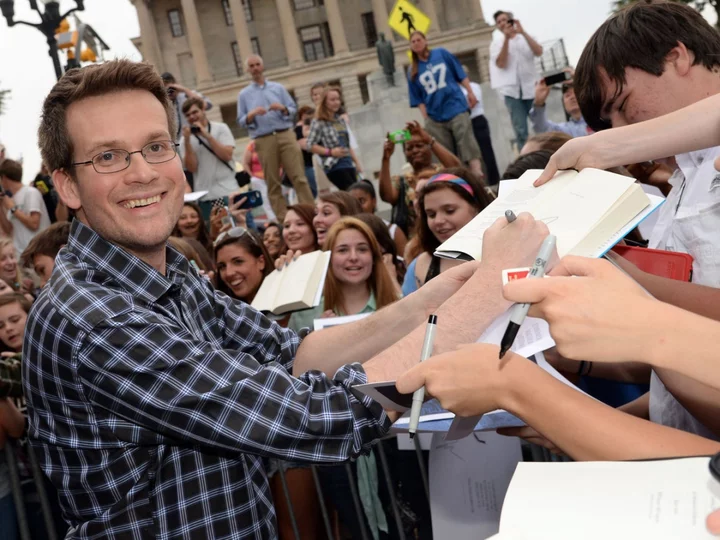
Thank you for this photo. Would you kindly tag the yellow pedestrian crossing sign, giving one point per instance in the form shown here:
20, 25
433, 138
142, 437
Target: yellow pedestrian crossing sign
405, 18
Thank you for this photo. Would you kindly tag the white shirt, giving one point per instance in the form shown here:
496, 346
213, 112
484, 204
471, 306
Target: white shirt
517, 78
28, 200
477, 110
689, 222
212, 175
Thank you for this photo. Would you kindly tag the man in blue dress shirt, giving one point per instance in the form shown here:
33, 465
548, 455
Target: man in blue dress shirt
266, 109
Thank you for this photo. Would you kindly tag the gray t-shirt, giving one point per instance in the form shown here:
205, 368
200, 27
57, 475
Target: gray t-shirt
28, 200
212, 175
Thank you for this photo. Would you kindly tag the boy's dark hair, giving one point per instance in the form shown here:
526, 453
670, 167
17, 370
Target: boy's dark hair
12, 170
168, 78
46, 242
7, 299
640, 36
498, 13
533, 160
190, 102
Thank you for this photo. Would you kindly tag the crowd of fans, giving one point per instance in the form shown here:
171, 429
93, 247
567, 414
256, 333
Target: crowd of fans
375, 261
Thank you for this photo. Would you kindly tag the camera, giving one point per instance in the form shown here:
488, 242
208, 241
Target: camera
194, 129
511, 22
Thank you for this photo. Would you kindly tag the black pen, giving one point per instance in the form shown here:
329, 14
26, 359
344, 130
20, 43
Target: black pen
519, 311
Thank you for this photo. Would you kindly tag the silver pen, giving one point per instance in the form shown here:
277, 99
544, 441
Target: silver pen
419, 394
519, 311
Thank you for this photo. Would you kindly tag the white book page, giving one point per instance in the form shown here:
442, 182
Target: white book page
269, 290
662, 500
521, 199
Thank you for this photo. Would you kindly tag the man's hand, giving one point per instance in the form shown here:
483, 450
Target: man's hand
583, 311
519, 27
202, 129
388, 148
514, 245
472, 100
7, 201
542, 91
178, 88
278, 107
259, 111
339, 152
467, 381
186, 132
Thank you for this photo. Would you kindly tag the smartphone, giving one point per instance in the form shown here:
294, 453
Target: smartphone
557, 78
399, 136
511, 22
253, 199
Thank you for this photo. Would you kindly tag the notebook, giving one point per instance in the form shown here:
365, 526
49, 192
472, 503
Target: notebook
294, 287
588, 211
667, 264
663, 499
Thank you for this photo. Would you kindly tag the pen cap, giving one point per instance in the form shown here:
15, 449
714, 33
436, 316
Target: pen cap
432, 319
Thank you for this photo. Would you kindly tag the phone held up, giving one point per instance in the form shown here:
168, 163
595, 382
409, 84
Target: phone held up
399, 136
557, 78
253, 199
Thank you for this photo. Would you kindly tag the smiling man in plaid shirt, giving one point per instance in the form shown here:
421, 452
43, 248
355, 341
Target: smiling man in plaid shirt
151, 397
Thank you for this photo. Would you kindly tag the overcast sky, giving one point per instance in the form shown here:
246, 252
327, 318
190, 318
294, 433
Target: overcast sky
26, 68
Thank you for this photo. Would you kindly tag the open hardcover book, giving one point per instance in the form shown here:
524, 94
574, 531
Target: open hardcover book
294, 287
588, 211
664, 499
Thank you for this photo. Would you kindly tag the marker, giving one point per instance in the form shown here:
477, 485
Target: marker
419, 395
519, 311
510, 216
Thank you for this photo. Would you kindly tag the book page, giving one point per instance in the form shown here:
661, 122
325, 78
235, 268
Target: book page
523, 196
666, 499
468, 482
267, 293
299, 282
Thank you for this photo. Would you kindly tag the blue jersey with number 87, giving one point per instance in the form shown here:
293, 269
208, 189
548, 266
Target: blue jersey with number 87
437, 85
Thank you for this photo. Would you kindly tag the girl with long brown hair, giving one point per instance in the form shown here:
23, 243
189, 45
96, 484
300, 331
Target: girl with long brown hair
329, 137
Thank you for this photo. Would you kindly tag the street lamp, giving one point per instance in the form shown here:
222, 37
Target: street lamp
50, 20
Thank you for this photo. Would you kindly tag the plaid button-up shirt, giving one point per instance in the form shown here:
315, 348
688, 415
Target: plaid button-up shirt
151, 398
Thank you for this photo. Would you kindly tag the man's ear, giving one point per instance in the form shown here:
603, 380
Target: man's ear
681, 58
67, 188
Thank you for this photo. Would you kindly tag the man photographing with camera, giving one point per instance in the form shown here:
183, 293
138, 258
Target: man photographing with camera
207, 151
512, 70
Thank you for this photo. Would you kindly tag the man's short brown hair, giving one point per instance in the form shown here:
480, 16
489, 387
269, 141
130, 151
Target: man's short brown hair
46, 242
11, 169
54, 139
190, 102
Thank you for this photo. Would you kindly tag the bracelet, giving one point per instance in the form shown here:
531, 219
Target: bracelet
581, 368
432, 141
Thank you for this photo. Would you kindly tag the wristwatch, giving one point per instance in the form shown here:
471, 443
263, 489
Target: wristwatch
13, 210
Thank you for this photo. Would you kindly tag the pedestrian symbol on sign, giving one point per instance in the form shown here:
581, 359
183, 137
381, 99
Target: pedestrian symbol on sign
405, 18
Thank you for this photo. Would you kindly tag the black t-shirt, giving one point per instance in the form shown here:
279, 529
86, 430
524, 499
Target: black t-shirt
307, 156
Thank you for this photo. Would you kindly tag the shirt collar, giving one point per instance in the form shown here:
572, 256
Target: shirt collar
125, 269
370, 306
691, 160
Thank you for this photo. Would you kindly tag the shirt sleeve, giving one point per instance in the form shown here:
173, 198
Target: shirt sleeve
314, 135
409, 284
289, 102
242, 111
33, 201
495, 48
454, 65
540, 122
224, 135
157, 375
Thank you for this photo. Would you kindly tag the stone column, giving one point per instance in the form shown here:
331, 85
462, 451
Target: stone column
352, 96
428, 7
242, 36
476, 12
337, 31
148, 35
381, 15
482, 57
197, 44
293, 49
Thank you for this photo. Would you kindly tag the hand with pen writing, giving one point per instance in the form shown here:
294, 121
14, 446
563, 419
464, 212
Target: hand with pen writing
584, 311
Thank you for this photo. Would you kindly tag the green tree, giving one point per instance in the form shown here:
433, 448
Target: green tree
697, 4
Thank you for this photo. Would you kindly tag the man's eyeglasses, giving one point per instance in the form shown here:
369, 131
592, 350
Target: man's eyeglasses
112, 161
235, 232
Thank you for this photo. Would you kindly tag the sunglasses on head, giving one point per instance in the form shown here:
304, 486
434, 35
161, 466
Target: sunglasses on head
235, 232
